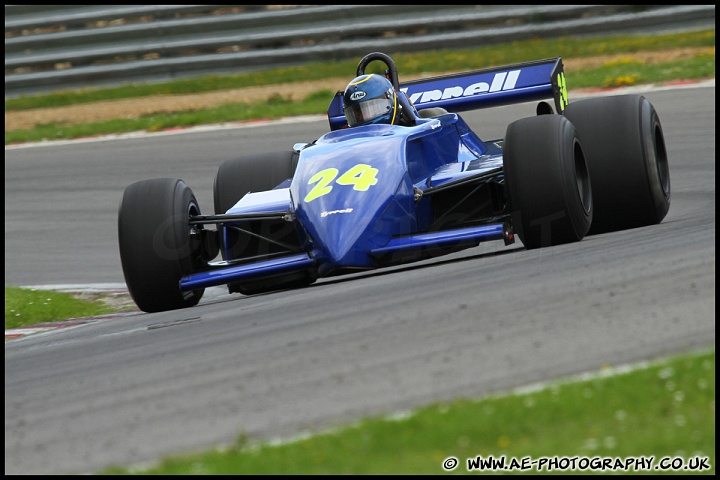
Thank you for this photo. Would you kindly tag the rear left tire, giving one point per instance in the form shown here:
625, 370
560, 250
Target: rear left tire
625, 149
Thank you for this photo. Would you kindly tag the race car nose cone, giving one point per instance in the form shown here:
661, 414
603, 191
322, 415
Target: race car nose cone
342, 235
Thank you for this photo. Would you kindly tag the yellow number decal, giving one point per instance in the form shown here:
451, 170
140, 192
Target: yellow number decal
323, 179
563, 91
361, 176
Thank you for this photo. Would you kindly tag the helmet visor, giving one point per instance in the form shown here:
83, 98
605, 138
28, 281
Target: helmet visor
367, 110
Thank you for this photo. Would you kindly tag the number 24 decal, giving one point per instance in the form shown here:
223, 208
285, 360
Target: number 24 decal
361, 177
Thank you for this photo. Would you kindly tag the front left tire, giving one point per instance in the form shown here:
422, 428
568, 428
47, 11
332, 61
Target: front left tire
547, 181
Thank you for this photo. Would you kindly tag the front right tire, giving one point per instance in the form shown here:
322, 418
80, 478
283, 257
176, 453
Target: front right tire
158, 246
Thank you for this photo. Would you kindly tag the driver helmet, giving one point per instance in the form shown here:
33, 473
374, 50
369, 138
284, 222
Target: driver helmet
370, 99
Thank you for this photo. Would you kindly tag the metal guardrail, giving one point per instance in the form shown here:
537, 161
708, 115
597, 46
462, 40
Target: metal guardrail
61, 47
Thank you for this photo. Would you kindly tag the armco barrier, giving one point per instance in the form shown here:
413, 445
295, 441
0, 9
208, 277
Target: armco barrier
61, 47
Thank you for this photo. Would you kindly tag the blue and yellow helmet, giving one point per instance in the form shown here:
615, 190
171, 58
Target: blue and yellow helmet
370, 99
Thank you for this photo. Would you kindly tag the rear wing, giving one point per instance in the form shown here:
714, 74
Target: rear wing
491, 87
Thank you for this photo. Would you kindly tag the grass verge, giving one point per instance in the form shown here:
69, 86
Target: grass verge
25, 307
664, 411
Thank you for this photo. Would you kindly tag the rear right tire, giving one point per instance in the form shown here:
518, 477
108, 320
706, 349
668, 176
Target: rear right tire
253, 173
257, 173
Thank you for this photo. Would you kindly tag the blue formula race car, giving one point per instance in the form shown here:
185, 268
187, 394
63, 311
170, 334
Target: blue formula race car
401, 177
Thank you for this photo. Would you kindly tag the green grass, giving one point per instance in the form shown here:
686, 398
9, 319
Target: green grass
25, 307
665, 409
232, 112
620, 73
628, 72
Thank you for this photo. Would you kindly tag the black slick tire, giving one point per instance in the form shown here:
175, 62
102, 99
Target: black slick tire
547, 181
625, 149
157, 244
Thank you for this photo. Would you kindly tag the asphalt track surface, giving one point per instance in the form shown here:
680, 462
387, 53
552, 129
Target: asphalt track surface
120, 391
